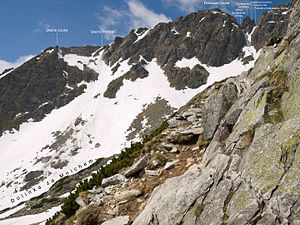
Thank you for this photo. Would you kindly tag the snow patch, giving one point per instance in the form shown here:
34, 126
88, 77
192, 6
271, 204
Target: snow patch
12, 211
235, 25
286, 12
187, 62
234, 68
141, 36
31, 219
175, 31
50, 51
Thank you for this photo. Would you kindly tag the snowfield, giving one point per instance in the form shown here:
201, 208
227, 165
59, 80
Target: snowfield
102, 128
31, 219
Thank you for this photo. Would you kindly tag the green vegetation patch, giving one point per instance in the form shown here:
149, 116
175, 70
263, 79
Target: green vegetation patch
123, 160
289, 148
273, 113
199, 210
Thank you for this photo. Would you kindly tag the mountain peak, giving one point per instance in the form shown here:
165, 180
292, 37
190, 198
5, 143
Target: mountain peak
247, 24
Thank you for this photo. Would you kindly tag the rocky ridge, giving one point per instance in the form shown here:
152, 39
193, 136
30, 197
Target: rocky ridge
270, 24
215, 38
46, 82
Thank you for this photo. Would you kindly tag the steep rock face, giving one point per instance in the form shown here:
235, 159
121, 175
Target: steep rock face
84, 50
137, 71
215, 38
205, 31
218, 103
271, 24
253, 158
37, 87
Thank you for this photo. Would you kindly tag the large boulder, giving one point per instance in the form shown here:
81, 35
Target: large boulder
138, 166
127, 194
121, 220
169, 202
216, 107
113, 180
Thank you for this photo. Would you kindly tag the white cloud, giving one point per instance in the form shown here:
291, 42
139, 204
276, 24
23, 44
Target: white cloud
189, 6
134, 15
112, 19
143, 17
41, 26
6, 65
185, 5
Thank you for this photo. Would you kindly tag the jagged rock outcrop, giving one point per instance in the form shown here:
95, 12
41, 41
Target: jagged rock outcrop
167, 205
271, 24
218, 103
215, 38
208, 45
137, 167
82, 50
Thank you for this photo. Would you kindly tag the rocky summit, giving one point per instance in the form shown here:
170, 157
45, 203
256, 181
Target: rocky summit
229, 155
213, 37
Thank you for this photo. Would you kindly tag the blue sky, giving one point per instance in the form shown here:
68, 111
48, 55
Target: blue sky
24, 22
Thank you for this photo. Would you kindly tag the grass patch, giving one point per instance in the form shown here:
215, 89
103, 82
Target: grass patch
199, 210
156, 132
37, 206
273, 113
208, 162
38, 197
43, 202
49, 200
262, 77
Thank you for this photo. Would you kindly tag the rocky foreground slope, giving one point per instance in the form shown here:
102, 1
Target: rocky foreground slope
249, 173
